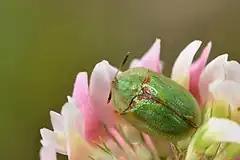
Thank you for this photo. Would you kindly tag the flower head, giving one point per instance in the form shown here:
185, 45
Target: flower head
90, 128
66, 137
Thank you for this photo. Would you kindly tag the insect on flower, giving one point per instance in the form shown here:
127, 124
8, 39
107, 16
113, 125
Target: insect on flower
154, 103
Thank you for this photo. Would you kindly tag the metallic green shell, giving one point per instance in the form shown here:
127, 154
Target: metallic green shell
158, 104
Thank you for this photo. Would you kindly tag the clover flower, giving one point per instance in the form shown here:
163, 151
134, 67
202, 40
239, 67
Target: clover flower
89, 127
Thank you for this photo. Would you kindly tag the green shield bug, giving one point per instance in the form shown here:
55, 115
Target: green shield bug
155, 104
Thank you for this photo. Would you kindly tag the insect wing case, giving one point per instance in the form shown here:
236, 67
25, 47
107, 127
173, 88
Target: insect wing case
155, 104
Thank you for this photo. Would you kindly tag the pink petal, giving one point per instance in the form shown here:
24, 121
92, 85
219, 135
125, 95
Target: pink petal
150, 144
124, 145
196, 70
93, 127
81, 87
151, 59
100, 87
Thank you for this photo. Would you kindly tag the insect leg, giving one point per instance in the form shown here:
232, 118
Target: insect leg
109, 97
130, 105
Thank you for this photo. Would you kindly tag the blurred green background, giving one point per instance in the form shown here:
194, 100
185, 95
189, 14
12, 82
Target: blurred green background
45, 43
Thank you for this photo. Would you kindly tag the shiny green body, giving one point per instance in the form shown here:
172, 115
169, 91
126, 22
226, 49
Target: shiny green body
155, 104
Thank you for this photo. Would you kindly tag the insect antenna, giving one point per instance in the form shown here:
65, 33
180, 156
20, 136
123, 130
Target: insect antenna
122, 64
114, 78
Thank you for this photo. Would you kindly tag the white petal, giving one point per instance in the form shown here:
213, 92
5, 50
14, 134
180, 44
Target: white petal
213, 71
57, 122
69, 111
232, 69
72, 117
56, 140
71, 100
100, 87
180, 71
48, 136
215, 130
48, 153
222, 130
228, 90
134, 63
213, 87
161, 66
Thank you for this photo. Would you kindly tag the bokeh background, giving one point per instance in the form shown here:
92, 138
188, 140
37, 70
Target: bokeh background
45, 43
